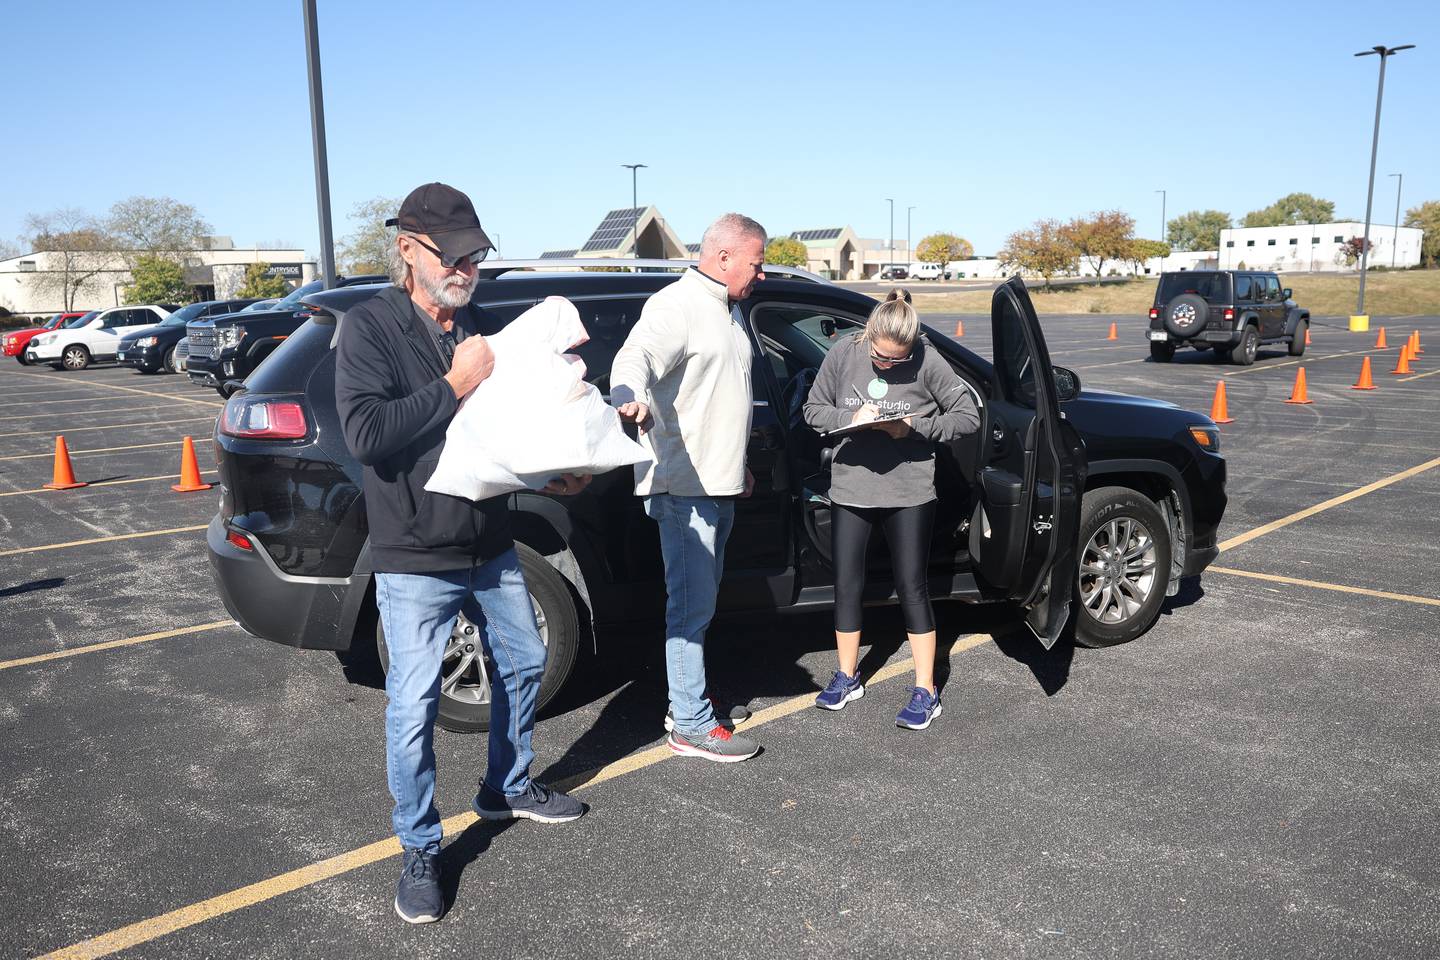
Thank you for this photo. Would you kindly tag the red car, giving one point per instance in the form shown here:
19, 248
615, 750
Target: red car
14, 342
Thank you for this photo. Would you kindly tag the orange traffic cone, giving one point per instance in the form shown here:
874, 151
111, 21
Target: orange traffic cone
1307, 335
959, 329
1114, 333
1403, 364
1219, 412
1380, 343
63, 477
1299, 394
189, 471
1364, 383
1415, 348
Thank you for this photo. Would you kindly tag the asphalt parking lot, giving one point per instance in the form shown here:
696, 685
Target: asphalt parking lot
1255, 777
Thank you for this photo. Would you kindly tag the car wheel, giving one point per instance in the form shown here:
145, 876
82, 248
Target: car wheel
1185, 316
1244, 354
75, 357
1124, 566
1297, 340
1162, 352
465, 671
20, 358
169, 363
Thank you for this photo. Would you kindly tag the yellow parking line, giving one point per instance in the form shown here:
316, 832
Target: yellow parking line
1290, 363
153, 928
101, 483
111, 644
112, 539
1418, 376
81, 453
116, 386
83, 413
1274, 525
108, 426
1320, 585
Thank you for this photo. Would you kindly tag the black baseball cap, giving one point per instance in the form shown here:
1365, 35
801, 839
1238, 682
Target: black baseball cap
446, 215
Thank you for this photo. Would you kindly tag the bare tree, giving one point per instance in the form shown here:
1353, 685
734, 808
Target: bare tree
366, 248
157, 227
8, 250
73, 247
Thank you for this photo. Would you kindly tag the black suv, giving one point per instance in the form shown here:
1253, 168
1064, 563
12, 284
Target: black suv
225, 349
153, 350
1061, 499
1229, 311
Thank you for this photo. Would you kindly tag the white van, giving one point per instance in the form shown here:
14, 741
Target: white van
926, 271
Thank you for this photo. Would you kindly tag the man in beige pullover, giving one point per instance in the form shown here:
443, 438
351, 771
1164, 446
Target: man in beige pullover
684, 377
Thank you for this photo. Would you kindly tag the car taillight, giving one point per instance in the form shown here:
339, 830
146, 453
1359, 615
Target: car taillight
257, 418
1229, 313
1154, 312
239, 540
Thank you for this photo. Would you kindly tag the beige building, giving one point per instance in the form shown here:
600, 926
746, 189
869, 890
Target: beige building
633, 232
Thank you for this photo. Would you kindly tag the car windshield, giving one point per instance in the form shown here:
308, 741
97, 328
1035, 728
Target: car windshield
81, 321
183, 315
292, 300
1214, 287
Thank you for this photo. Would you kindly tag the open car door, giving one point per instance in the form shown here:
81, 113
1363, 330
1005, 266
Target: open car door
1026, 522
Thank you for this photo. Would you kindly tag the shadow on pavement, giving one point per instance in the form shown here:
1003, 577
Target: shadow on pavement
49, 583
464, 850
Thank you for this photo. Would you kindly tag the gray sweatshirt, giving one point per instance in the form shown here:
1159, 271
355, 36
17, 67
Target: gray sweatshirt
871, 469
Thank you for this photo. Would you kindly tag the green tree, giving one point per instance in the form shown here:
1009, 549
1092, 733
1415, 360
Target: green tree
1197, 230
366, 249
1291, 209
942, 248
158, 280
1427, 218
1141, 250
1101, 236
786, 252
1043, 249
260, 284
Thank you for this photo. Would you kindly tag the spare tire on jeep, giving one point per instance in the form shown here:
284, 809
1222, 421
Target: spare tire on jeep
1185, 315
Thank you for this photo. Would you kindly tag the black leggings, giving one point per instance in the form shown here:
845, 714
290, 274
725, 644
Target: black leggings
907, 531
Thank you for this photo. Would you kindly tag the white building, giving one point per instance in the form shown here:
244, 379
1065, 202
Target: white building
28, 283
1316, 247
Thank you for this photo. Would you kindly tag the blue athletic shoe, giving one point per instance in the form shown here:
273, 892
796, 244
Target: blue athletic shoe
417, 895
843, 688
923, 707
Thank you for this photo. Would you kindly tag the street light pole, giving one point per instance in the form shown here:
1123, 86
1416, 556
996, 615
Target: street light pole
634, 206
1163, 198
909, 251
317, 138
891, 201
1384, 53
1395, 244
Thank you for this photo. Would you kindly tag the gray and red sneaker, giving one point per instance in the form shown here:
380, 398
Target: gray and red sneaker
719, 745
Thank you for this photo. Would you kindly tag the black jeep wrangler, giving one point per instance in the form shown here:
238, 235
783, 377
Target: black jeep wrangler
1229, 311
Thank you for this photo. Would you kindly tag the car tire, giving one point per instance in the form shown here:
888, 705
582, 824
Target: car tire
1123, 567
75, 357
20, 358
465, 706
1162, 352
223, 394
1297, 339
1185, 316
169, 364
1244, 354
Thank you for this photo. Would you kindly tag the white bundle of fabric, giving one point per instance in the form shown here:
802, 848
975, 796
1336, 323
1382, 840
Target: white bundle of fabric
534, 417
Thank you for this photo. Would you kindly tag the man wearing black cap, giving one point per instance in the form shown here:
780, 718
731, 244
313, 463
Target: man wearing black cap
406, 358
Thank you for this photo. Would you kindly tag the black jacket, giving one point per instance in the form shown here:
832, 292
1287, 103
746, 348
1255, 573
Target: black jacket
394, 406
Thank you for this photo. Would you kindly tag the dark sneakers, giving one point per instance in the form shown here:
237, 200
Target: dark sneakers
923, 707
538, 803
719, 745
842, 689
417, 896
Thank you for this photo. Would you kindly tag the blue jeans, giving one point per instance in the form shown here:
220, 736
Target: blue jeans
418, 611
693, 531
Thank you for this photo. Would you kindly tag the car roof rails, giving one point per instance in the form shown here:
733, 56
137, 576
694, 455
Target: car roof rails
491, 269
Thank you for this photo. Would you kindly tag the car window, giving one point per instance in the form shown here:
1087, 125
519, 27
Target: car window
1242, 286
1211, 286
1014, 365
1272, 288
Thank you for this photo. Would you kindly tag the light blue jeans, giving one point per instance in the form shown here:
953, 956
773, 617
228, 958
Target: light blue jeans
693, 531
418, 611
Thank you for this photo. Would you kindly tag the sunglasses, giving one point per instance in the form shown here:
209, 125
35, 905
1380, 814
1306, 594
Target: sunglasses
881, 358
450, 263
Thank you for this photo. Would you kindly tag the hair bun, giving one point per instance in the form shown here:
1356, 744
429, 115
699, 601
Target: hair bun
898, 293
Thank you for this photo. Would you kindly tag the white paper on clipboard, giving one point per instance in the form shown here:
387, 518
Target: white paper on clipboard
852, 427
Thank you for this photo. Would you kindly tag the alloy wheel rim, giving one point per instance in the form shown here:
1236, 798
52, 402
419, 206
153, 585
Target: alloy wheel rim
73, 359
1117, 570
464, 671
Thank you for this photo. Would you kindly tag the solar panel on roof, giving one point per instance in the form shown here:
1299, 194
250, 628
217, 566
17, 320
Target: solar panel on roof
558, 254
614, 228
829, 233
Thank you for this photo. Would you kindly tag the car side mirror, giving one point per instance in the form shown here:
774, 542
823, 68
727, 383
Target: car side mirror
1067, 384
827, 326
1288, 293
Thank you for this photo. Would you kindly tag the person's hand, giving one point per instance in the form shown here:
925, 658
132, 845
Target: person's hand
568, 484
895, 428
866, 414
635, 412
749, 483
473, 362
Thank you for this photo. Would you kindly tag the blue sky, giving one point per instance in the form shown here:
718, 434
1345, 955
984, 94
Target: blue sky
982, 116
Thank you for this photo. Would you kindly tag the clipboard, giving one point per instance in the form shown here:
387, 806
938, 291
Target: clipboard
853, 427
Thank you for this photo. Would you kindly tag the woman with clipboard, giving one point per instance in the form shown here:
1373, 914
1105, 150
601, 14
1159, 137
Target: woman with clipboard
887, 397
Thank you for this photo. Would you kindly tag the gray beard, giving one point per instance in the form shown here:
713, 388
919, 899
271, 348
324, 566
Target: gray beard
447, 294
